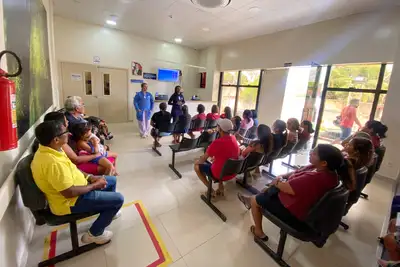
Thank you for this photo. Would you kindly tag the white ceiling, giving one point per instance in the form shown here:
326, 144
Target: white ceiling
167, 19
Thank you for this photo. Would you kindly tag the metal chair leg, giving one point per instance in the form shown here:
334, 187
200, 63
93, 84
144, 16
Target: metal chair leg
277, 256
172, 166
207, 200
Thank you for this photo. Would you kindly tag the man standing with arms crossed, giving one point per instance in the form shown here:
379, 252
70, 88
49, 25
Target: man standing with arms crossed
143, 103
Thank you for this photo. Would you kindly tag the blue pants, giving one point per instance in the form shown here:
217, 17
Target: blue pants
106, 202
346, 132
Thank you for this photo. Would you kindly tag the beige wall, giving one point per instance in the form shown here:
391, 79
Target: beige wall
370, 37
79, 42
16, 222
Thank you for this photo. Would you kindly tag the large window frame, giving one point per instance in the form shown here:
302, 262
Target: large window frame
238, 86
377, 93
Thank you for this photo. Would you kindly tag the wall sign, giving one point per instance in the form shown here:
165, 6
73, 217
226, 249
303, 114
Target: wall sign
96, 60
149, 76
76, 77
136, 81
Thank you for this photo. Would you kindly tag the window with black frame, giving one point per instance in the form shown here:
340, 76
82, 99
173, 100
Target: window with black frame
239, 90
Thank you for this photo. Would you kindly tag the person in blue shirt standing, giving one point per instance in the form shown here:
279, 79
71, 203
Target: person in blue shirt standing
176, 100
143, 103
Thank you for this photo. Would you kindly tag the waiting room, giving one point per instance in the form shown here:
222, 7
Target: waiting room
262, 132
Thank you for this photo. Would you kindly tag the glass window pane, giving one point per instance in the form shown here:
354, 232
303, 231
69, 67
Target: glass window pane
88, 83
334, 103
228, 97
106, 81
247, 99
360, 76
250, 77
230, 78
386, 77
379, 108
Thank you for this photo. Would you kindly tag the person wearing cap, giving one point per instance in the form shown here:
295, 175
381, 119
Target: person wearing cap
70, 191
143, 103
224, 148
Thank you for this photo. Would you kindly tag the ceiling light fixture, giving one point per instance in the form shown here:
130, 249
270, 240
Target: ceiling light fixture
206, 29
254, 9
111, 22
211, 3
178, 40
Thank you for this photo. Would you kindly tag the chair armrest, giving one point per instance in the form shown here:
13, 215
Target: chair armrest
175, 147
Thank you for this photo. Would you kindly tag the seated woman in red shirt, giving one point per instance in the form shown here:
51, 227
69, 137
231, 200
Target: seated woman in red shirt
227, 113
290, 197
306, 129
214, 115
200, 116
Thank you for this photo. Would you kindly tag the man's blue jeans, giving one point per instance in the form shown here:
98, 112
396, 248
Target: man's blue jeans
107, 202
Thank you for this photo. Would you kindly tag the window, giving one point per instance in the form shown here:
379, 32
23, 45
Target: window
355, 76
88, 83
106, 84
239, 90
387, 76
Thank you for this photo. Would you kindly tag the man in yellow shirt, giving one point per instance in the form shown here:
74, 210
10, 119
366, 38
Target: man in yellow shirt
67, 189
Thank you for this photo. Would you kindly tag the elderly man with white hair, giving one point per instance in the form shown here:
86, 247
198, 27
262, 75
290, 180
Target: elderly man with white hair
75, 110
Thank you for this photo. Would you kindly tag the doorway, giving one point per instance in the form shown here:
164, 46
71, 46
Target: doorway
367, 83
103, 90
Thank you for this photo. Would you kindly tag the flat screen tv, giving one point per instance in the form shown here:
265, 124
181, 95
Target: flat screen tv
168, 75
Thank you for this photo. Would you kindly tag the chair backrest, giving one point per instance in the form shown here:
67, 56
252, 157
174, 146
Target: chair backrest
371, 169
210, 124
32, 197
252, 161
181, 126
299, 145
326, 214
380, 151
207, 138
286, 150
188, 143
231, 167
361, 175
197, 124
251, 133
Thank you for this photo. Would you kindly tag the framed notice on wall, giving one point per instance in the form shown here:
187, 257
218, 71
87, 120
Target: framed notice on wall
137, 69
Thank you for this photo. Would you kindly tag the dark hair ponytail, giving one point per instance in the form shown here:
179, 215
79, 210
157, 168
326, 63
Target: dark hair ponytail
337, 163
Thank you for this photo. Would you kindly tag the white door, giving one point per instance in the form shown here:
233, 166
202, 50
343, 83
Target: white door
103, 90
272, 94
113, 94
79, 80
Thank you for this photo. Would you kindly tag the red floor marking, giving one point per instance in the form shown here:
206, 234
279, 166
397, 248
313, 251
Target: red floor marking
53, 243
160, 260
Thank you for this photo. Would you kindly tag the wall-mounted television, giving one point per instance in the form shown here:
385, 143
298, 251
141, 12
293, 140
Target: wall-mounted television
168, 75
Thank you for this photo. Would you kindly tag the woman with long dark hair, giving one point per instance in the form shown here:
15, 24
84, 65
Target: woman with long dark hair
227, 113
290, 197
264, 141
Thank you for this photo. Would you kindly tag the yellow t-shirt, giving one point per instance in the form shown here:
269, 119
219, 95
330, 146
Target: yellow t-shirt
54, 172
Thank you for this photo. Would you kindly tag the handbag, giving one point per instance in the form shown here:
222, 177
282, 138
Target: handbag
337, 121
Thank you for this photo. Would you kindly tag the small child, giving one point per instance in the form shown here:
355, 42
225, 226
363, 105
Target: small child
87, 142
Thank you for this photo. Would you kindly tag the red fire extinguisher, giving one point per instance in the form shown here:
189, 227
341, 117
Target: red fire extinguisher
8, 106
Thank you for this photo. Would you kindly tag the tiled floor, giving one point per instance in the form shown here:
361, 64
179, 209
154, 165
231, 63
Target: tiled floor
192, 234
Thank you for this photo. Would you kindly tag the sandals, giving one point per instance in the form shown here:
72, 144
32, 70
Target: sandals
243, 200
252, 230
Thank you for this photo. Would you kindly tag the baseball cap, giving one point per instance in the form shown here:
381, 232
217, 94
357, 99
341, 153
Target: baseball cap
225, 125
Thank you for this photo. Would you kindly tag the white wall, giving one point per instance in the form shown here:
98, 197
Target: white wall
370, 37
16, 222
79, 42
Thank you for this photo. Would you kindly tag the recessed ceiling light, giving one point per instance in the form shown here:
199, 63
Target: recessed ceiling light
178, 40
254, 9
206, 29
111, 22
211, 3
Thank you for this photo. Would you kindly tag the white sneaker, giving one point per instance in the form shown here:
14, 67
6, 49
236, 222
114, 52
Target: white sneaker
116, 216
101, 239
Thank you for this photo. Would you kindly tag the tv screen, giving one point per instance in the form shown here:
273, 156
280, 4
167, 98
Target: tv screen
168, 75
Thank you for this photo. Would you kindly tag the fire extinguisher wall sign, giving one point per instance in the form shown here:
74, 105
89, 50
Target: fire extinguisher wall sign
8, 107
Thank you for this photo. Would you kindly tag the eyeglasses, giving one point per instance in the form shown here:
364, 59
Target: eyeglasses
66, 132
